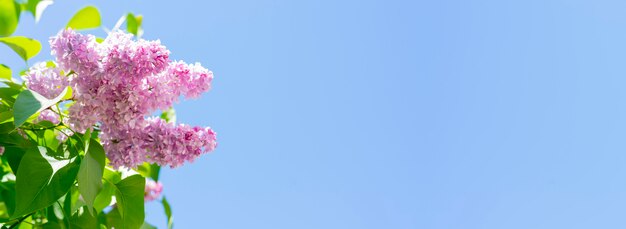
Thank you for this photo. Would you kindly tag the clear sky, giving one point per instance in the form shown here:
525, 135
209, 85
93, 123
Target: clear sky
394, 114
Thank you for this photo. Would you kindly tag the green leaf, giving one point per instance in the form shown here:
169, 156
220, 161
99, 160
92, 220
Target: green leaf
148, 226
73, 202
169, 115
113, 218
41, 180
130, 202
148, 170
83, 220
29, 103
6, 128
68, 95
5, 72
90, 173
24, 225
103, 199
24, 47
112, 176
132, 26
36, 7
9, 17
14, 156
55, 213
168, 212
86, 18
7, 94
8, 197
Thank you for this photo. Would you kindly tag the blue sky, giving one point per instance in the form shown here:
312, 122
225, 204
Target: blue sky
394, 114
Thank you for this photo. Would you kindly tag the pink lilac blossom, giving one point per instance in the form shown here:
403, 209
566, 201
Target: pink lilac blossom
48, 115
153, 190
157, 141
46, 81
120, 81
1, 150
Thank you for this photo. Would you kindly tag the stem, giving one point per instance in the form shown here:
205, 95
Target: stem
65, 218
20, 221
42, 128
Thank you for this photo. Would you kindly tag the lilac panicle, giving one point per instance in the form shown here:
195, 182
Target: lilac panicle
46, 81
118, 83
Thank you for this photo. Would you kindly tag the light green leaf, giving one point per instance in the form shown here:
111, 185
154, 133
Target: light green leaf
90, 173
9, 17
132, 26
148, 226
148, 170
168, 213
41, 6
25, 47
29, 103
68, 95
130, 202
41, 180
5, 72
103, 199
36, 7
169, 115
86, 18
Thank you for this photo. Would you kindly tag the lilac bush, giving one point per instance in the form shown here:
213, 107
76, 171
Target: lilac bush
78, 135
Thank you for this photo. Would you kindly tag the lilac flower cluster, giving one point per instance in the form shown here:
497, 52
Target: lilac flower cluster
153, 190
44, 80
156, 141
116, 84
48, 115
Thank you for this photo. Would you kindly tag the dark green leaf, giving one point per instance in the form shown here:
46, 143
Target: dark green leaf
29, 103
90, 173
168, 213
49, 225
41, 180
8, 197
130, 202
114, 219
9, 17
86, 18
6, 127
6, 117
13, 155
84, 220
55, 214
24, 47
8, 94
